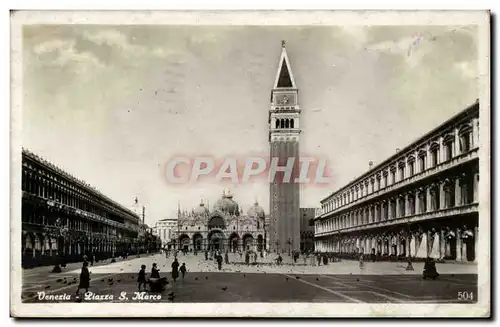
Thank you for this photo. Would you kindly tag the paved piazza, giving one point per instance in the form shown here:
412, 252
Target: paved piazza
264, 282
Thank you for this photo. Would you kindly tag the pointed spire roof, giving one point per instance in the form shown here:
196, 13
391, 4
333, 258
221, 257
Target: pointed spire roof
284, 77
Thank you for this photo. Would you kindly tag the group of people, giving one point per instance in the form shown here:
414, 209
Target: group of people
155, 273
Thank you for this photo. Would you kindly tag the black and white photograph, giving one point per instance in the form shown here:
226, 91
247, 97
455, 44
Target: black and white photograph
250, 164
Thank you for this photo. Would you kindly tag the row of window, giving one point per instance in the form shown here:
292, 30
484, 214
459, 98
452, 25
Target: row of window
44, 188
405, 168
74, 224
428, 199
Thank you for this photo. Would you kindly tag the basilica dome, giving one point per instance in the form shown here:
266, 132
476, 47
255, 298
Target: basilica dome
228, 205
256, 211
201, 210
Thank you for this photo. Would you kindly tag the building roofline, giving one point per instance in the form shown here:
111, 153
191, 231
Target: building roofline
50, 166
470, 110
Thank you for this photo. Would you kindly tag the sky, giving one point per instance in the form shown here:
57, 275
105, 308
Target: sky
112, 104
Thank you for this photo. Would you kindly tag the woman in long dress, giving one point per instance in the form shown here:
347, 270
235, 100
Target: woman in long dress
175, 269
84, 278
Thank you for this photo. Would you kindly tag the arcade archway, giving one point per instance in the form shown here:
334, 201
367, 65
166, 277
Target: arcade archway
197, 242
216, 222
216, 240
233, 242
184, 242
247, 242
260, 242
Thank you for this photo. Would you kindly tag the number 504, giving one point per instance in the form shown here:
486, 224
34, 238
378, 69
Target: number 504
465, 296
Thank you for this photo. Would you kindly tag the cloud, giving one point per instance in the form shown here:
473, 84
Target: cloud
62, 53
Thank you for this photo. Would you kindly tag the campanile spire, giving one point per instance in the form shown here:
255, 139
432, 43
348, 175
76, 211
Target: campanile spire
284, 132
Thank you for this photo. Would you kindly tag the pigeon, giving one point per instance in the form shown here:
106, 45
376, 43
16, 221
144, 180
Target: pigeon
206, 277
110, 283
59, 280
317, 279
110, 279
102, 280
297, 277
286, 279
118, 280
196, 278
65, 282
48, 286
224, 288
244, 275
452, 275
357, 279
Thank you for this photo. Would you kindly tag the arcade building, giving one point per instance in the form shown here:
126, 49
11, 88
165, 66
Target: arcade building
422, 201
224, 228
64, 218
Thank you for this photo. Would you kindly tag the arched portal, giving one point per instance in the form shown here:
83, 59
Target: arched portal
216, 222
216, 240
260, 243
197, 242
184, 242
233, 242
247, 242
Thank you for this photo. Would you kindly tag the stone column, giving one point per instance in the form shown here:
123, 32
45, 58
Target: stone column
428, 193
476, 242
459, 245
389, 211
417, 202
456, 150
464, 251
441, 195
475, 133
442, 244
397, 207
475, 184
458, 193
407, 247
441, 152
398, 245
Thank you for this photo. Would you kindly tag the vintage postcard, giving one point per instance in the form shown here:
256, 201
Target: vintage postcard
250, 164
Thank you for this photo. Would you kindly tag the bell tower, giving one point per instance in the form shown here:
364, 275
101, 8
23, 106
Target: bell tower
284, 133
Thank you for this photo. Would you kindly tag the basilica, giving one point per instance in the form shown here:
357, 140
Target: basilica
223, 228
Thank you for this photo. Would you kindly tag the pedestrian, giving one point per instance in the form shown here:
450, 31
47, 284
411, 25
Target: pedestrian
141, 278
318, 257
155, 272
84, 278
226, 258
361, 262
92, 259
206, 254
175, 269
305, 258
241, 254
280, 260
247, 258
430, 270
183, 270
219, 261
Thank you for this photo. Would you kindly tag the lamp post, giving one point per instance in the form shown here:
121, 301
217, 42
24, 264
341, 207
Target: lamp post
409, 267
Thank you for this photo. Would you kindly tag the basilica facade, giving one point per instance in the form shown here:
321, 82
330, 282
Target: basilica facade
223, 228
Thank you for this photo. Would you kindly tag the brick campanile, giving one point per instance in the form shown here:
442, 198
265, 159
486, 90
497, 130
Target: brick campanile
284, 132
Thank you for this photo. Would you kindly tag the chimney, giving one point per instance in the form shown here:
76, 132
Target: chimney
397, 150
370, 164
143, 214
